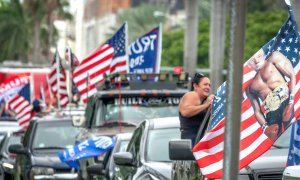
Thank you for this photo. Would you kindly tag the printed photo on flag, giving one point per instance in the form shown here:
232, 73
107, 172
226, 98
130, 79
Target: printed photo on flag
145, 53
109, 58
270, 102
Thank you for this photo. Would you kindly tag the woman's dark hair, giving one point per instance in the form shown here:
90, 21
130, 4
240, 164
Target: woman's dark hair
196, 79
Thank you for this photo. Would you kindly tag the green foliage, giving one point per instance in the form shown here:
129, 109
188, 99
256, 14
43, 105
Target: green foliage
14, 30
140, 19
260, 28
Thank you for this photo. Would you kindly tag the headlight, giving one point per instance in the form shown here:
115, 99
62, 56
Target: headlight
41, 171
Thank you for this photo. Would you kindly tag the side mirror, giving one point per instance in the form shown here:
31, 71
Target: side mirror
78, 121
96, 169
123, 158
181, 150
17, 149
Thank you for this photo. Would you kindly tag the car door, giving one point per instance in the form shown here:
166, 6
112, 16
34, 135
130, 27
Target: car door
134, 147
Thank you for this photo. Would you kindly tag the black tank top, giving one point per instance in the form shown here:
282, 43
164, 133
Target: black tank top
192, 123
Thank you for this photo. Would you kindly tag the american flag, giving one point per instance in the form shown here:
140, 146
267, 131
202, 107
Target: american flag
57, 81
253, 142
22, 109
111, 57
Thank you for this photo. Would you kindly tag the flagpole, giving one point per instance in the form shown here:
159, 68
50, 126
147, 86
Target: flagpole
158, 56
87, 85
234, 96
70, 59
126, 46
57, 79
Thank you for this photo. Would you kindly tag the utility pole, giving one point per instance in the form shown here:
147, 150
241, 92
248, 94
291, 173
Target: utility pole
296, 8
234, 90
191, 36
217, 42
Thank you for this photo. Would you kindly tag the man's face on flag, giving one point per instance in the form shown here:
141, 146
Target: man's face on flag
257, 61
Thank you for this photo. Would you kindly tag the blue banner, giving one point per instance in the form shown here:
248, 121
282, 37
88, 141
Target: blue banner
89, 148
145, 53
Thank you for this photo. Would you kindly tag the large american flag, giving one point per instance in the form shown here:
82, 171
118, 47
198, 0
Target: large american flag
111, 57
253, 142
22, 108
57, 81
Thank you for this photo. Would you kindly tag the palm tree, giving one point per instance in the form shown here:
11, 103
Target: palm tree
14, 31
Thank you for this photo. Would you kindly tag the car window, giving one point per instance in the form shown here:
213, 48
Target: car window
160, 138
55, 135
135, 110
284, 140
123, 146
134, 143
1, 137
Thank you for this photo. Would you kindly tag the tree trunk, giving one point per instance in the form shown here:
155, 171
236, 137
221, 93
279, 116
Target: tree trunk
36, 50
217, 41
191, 36
296, 8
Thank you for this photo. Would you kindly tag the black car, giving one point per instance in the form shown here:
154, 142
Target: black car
270, 165
147, 155
37, 155
7, 160
105, 167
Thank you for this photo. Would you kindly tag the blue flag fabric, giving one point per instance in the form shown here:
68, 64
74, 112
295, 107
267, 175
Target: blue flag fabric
89, 148
144, 53
294, 150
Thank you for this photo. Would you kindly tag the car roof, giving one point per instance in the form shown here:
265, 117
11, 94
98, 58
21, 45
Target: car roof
9, 126
165, 122
124, 136
50, 118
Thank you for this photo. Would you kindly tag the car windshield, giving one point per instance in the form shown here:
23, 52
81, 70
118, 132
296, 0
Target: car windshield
134, 110
56, 135
284, 140
158, 144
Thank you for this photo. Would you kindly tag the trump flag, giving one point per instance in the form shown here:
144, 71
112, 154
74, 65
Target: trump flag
145, 53
270, 102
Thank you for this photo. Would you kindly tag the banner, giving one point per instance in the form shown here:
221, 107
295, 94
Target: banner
145, 53
12, 86
88, 148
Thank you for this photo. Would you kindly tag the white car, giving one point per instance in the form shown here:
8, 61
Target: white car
291, 173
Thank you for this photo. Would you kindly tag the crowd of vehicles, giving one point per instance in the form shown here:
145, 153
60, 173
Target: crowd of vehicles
125, 100
141, 112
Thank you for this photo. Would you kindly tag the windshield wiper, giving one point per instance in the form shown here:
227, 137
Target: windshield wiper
49, 147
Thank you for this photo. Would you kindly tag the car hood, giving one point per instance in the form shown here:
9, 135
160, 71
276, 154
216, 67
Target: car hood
273, 159
159, 170
48, 160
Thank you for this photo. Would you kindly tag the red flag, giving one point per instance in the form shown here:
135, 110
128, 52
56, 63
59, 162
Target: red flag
22, 109
57, 80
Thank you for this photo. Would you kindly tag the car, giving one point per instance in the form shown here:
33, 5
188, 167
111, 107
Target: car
37, 155
147, 155
7, 160
9, 125
291, 173
120, 105
270, 165
105, 167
